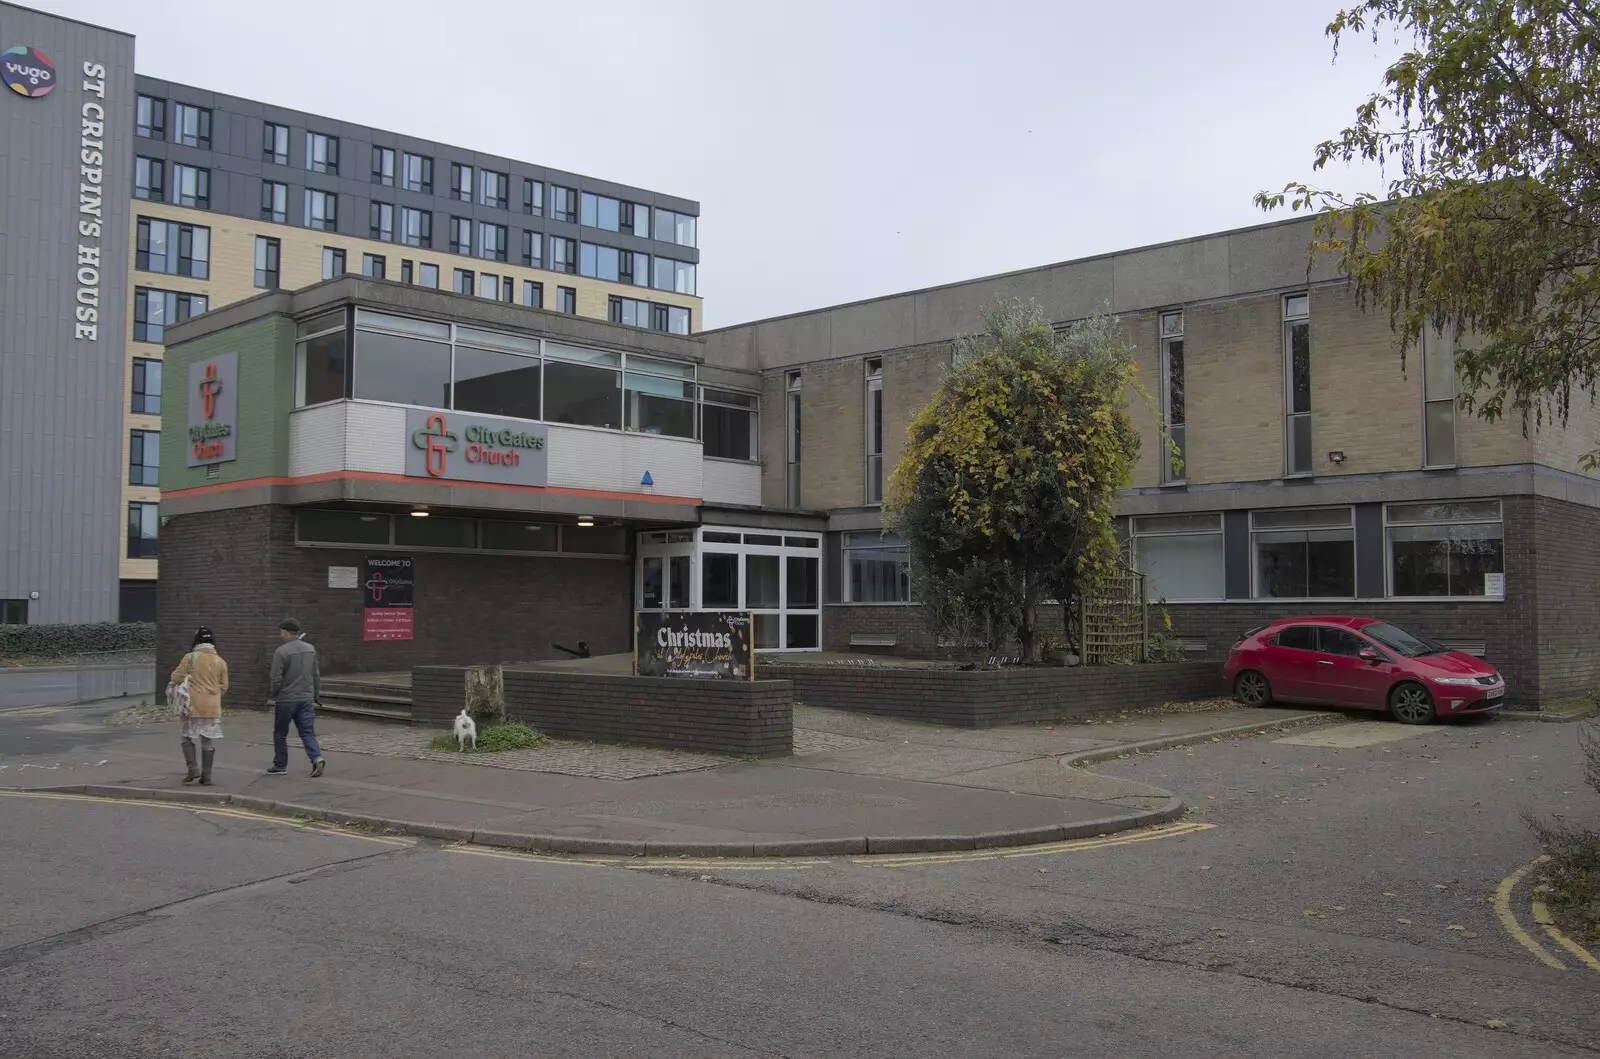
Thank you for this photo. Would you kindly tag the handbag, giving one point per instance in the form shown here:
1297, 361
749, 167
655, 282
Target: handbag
178, 696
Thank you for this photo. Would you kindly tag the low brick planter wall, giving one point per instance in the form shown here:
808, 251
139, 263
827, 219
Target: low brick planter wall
437, 694
985, 698
748, 718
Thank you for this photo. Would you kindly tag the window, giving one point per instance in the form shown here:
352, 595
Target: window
154, 310
274, 202
1303, 553
1180, 556
13, 612
491, 241
671, 318
498, 382
191, 126
191, 186
150, 118
275, 143
144, 457
636, 219
634, 268
146, 387
532, 294
563, 254
488, 286
267, 251
332, 262
635, 313
322, 152
461, 182
877, 568
428, 275
567, 300
582, 386
563, 203
373, 266
792, 404
1449, 548
675, 228
1297, 379
464, 281
173, 248
322, 210
402, 360
416, 227
149, 179
532, 197
659, 397
144, 525
630, 312
341, 527
460, 235
719, 580
1439, 399
729, 424
494, 189
382, 217
601, 262
1172, 410
533, 249
416, 173
600, 211
383, 166
320, 364
407, 274
676, 276
874, 432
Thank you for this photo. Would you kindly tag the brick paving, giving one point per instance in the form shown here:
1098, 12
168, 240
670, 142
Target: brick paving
590, 760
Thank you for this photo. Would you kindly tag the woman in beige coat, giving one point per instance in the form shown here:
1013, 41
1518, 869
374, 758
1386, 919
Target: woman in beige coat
208, 679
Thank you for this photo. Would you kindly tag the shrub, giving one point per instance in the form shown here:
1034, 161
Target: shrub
1572, 873
56, 641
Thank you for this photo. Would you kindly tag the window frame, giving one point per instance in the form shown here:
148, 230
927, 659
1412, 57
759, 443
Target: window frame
1390, 524
569, 195
274, 255
502, 236
872, 469
1426, 349
463, 181
458, 225
155, 190
847, 549
156, 127
374, 266
176, 232
177, 306
1293, 316
375, 215
329, 221
141, 509
334, 262
752, 409
143, 437
330, 153
1137, 531
424, 165
532, 200
567, 300
1253, 531
793, 449
424, 239
269, 143
271, 192
201, 137
1174, 465
201, 199
385, 164
139, 387
501, 198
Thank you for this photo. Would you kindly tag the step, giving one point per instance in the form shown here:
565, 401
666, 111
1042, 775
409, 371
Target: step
369, 713
357, 687
331, 693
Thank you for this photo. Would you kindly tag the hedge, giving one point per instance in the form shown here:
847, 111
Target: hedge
51, 641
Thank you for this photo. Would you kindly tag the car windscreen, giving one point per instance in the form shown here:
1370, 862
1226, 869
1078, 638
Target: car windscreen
1401, 642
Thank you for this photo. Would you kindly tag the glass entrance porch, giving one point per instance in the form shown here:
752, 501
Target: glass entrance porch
775, 575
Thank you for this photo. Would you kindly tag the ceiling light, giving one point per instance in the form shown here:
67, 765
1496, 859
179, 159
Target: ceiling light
585, 520
419, 511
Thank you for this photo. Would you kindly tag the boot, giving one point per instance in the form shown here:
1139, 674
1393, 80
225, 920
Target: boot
206, 756
188, 757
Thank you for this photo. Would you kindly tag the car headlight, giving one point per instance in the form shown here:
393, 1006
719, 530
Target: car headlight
1466, 681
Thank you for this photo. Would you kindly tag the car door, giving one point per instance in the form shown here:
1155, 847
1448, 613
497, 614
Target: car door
1344, 677
1290, 661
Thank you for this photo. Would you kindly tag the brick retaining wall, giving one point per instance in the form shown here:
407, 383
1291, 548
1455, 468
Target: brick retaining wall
748, 718
437, 694
985, 698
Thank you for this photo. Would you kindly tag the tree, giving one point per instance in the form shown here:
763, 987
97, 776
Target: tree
1490, 228
1007, 491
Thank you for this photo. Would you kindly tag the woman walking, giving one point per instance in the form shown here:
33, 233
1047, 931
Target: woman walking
207, 674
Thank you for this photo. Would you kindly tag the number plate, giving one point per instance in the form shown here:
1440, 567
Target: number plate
1496, 693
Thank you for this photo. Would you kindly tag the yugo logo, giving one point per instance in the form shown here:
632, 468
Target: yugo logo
484, 445
28, 71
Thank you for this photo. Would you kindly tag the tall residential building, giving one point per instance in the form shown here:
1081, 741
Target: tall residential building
208, 199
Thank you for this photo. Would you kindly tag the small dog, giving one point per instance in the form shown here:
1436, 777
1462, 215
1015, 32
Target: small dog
466, 731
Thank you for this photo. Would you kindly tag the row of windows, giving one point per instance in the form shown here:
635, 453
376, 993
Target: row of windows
446, 533
191, 126
1431, 549
416, 362
1440, 390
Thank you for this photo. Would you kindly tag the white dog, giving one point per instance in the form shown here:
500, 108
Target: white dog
466, 731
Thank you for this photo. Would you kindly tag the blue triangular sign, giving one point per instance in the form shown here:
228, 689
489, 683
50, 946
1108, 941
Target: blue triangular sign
647, 480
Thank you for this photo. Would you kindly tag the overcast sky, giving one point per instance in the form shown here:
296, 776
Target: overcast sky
839, 150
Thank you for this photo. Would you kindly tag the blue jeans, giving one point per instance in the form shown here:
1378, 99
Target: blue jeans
304, 716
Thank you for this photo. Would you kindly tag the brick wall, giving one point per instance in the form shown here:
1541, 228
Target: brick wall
833, 436
1567, 648
986, 698
748, 718
437, 694
239, 572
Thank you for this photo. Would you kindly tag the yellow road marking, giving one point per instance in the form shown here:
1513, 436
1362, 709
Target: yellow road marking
318, 826
1508, 920
1044, 850
1541, 916
31, 711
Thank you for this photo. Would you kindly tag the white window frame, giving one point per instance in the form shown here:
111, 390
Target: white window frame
874, 418
1355, 571
690, 541
1171, 330
1136, 533
791, 437
1390, 523
1430, 346
1296, 308
847, 549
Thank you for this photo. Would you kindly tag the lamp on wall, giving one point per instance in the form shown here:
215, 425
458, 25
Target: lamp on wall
585, 520
1336, 456
419, 511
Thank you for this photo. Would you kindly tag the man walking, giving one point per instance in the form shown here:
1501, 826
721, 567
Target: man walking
296, 687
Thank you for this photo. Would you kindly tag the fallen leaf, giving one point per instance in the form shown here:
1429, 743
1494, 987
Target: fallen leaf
1386, 893
1455, 926
1044, 871
1497, 1024
1337, 908
1205, 867
1469, 933
1407, 922
1440, 886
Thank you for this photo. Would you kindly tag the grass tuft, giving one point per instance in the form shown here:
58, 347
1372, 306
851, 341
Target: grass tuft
494, 738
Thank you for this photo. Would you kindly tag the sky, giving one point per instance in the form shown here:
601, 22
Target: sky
838, 150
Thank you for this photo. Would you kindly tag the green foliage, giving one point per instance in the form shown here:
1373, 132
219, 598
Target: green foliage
495, 737
64, 641
1572, 873
1007, 489
1490, 226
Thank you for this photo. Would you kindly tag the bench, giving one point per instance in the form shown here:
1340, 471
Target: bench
873, 639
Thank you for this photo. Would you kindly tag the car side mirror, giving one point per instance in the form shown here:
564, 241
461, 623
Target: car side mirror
1371, 655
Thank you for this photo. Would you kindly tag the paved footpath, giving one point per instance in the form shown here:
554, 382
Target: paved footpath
855, 785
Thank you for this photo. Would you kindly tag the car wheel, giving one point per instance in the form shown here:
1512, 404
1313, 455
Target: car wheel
1252, 689
1411, 704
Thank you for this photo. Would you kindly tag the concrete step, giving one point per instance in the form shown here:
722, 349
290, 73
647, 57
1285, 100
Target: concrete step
390, 699
336, 686
365, 711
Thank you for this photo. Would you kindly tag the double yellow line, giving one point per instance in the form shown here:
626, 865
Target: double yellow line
1541, 916
1045, 850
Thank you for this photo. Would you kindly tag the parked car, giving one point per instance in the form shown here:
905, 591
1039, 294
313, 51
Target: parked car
1360, 662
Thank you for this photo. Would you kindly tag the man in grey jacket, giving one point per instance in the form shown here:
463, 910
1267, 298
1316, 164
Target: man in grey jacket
296, 687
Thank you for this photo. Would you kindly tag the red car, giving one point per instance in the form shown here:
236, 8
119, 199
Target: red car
1360, 662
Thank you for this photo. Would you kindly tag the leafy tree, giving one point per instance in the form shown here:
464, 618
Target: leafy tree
1007, 490
1489, 127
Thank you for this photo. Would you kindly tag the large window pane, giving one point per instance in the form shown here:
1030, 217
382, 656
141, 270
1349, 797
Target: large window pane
496, 383
1445, 560
767, 631
719, 580
678, 584
342, 527
436, 532
651, 597
802, 631
320, 369
804, 585
519, 536
1439, 439
402, 370
878, 567
1301, 564
1181, 567
761, 583
582, 395
728, 433
660, 406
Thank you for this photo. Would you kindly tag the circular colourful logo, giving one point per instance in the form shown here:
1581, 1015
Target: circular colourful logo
27, 71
